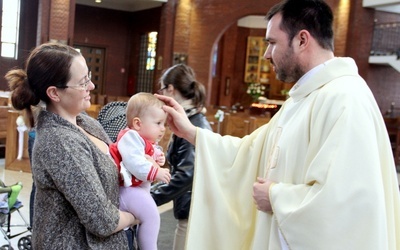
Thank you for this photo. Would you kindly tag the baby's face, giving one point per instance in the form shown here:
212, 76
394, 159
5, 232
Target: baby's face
153, 124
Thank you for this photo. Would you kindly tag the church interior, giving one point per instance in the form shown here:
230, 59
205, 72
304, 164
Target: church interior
129, 44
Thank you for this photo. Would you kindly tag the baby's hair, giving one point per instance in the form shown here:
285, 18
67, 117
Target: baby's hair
139, 103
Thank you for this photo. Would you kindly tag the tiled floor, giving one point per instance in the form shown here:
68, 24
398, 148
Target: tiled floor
10, 177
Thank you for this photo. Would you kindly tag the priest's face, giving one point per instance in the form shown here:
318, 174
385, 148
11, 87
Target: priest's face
281, 53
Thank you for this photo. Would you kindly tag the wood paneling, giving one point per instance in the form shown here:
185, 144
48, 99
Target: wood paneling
12, 163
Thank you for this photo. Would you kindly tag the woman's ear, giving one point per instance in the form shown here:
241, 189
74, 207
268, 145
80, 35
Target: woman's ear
52, 93
136, 123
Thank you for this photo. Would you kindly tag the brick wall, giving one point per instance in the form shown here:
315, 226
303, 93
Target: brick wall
209, 20
384, 80
119, 33
109, 29
195, 28
201, 25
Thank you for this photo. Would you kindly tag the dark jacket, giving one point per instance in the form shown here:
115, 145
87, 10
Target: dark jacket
180, 156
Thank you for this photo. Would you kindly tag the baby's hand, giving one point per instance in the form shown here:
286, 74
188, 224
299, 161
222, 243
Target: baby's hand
163, 175
161, 159
150, 159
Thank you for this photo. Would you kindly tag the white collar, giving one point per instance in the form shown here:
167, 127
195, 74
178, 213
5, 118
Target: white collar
310, 73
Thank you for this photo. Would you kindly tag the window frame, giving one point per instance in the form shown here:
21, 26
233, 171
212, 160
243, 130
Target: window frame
14, 41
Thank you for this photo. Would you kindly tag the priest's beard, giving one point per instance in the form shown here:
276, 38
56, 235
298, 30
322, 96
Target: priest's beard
287, 68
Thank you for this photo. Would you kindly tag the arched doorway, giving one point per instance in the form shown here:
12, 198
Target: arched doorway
229, 59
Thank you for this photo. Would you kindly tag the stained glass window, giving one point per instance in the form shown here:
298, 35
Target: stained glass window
147, 62
151, 51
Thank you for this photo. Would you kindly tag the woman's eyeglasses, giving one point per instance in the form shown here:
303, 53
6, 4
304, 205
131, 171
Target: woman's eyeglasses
81, 86
161, 90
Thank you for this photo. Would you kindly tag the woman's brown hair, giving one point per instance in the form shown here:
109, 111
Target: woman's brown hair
183, 78
47, 65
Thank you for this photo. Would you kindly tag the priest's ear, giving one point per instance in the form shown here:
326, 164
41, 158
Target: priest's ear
302, 39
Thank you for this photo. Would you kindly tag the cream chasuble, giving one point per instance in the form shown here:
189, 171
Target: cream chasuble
327, 149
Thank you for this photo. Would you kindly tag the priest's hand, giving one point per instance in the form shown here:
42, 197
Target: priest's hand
261, 194
177, 119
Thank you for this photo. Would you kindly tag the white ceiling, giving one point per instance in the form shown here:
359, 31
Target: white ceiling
395, 8
383, 5
125, 5
252, 21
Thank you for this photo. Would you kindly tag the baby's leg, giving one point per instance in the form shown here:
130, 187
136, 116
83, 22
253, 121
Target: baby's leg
138, 201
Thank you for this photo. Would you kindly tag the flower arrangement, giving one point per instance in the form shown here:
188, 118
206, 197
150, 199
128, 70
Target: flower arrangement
255, 90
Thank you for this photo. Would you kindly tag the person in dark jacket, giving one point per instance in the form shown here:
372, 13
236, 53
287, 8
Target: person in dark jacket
179, 82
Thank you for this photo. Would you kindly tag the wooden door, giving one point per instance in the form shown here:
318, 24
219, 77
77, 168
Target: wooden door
95, 59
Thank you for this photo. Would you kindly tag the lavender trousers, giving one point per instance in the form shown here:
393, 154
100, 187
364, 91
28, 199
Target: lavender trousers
138, 201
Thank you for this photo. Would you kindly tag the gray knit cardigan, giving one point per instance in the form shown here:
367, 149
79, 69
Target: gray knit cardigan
76, 202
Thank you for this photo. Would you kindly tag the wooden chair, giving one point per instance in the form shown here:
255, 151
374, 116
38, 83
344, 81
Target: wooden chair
112, 98
94, 110
93, 98
101, 100
11, 161
235, 125
256, 122
123, 98
3, 122
4, 101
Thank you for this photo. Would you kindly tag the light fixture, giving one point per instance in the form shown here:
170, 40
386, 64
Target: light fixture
98, 1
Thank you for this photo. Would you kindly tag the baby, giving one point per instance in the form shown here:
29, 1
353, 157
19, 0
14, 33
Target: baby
139, 158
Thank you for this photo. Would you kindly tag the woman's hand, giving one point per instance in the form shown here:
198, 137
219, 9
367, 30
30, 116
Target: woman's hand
177, 119
126, 220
